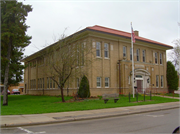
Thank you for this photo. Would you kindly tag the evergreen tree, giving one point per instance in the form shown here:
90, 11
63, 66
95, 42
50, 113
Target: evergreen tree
172, 77
84, 88
13, 41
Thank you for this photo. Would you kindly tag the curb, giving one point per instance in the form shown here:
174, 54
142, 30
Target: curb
71, 119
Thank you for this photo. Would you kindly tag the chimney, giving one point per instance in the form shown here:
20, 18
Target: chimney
136, 33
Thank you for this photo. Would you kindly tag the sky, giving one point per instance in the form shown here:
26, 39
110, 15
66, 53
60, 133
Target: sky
154, 19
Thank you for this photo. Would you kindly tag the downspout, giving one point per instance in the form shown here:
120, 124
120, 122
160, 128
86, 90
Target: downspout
119, 78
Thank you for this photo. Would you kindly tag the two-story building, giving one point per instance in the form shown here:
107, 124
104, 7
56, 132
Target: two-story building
112, 71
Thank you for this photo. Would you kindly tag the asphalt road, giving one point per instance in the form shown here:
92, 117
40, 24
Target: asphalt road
164, 121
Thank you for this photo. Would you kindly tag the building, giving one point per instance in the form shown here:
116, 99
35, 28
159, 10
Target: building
112, 71
19, 86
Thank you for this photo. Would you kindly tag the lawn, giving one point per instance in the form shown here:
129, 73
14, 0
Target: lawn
28, 104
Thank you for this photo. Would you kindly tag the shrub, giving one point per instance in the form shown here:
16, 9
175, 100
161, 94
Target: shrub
84, 91
172, 77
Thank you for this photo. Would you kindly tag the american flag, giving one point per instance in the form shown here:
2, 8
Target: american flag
133, 35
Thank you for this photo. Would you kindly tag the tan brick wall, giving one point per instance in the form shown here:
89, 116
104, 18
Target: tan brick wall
108, 67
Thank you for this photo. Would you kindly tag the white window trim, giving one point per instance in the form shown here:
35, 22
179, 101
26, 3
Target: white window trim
97, 81
160, 59
155, 57
162, 80
144, 55
138, 55
106, 50
124, 52
131, 54
105, 82
98, 49
157, 80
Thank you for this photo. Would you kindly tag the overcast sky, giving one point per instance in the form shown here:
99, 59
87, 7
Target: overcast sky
154, 19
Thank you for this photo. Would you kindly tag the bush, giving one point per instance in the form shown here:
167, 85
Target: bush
172, 77
84, 91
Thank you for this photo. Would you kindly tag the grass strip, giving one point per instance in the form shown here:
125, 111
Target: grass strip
28, 104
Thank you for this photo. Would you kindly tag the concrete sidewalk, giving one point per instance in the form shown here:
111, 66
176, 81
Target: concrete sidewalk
34, 119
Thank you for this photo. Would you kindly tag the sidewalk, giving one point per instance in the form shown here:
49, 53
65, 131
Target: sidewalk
34, 119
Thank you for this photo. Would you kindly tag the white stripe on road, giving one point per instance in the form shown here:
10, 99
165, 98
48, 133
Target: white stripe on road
154, 115
30, 132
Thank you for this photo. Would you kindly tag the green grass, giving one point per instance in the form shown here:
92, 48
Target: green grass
171, 94
27, 104
168, 94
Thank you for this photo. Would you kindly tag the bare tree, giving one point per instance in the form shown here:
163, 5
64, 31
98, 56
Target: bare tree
68, 57
175, 53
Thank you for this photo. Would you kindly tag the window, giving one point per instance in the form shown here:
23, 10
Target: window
124, 51
53, 83
106, 50
144, 55
82, 54
77, 82
43, 83
156, 58
157, 80
137, 54
161, 80
98, 81
50, 82
98, 49
47, 82
130, 53
106, 82
160, 58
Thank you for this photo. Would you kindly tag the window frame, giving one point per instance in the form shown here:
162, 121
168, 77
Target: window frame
156, 58
160, 58
47, 82
124, 51
144, 55
157, 81
98, 49
98, 86
162, 81
131, 54
137, 55
106, 81
106, 50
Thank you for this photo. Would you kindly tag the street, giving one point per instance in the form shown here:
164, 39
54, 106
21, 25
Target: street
164, 121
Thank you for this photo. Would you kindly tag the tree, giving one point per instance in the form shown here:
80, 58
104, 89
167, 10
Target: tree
84, 91
175, 53
13, 41
66, 59
172, 77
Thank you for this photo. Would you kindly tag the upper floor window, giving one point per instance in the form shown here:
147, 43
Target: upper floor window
144, 55
137, 54
130, 53
98, 49
106, 50
124, 51
160, 58
156, 61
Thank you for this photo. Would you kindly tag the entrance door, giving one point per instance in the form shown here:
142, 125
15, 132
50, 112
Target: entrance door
139, 85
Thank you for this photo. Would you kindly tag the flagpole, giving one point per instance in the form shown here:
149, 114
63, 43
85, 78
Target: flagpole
132, 61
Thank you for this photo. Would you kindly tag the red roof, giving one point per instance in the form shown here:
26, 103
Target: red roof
122, 33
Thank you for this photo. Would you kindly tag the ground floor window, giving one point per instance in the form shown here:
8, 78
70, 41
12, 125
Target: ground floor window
98, 81
107, 82
47, 82
161, 80
157, 80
